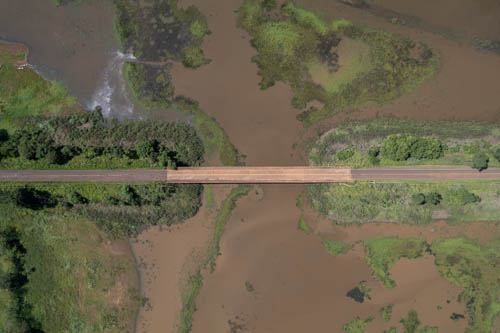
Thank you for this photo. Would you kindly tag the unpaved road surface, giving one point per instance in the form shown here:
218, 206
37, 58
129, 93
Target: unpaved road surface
425, 173
249, 175
125, 176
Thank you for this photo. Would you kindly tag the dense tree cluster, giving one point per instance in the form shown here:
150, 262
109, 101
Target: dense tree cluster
400, 147
59, 139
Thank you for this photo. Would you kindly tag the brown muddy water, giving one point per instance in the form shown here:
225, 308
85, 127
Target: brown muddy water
75, 44
298, 287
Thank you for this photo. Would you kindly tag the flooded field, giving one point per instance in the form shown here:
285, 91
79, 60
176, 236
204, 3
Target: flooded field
295, 285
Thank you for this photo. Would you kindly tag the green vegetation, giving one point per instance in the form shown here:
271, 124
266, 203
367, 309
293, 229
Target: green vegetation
358, 325
393, 142
383, 253
364, 202
411, 324
24, 93
193, 286
300, 201
300, 48
87, 140
161, 31
359, 293
120, 210
59, 275
151, 85
480, 161
386, 312
474, 268
209, 196
335, 248
392, 329
304, 226
212, 134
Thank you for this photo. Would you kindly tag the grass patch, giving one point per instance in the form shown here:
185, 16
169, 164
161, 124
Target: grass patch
364, 202
62, 275
304, 226
383, 253
120, 210
209, 196
365, 140
474, 268
334, 62
358, 325
335, 248
193, 286
24, 93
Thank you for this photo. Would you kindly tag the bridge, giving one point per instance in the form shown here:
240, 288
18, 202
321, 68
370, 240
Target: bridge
254, 175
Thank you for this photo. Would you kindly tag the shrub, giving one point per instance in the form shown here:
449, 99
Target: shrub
496, 153
4, 135
480, 161
400, 147
31, 198
146, 149
418, 199
433, 198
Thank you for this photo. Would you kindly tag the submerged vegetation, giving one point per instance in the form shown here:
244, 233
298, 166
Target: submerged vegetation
161, 31
358, 325
474, 268
383, 253
359, 293
386, 312
297, 46
195, 281
335, 248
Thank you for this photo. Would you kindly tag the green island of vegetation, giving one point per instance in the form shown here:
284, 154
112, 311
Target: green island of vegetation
304, 50
357, 325
386, 312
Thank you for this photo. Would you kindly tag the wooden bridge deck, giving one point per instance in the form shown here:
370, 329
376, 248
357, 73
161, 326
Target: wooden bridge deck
275, 175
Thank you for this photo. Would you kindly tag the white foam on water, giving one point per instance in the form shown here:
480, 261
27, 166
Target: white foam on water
112, 95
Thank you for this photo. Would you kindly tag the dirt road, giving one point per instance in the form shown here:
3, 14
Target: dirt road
258, 175
125, 176
425, 173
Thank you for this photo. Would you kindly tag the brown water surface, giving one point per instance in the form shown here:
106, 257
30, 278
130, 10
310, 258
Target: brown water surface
298, 287
261, 124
